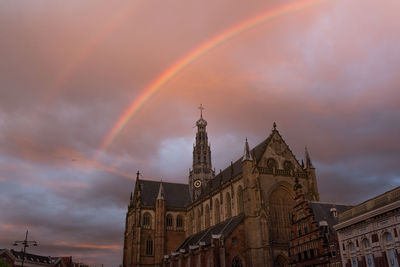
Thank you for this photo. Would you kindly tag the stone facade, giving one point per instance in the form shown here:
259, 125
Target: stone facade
369, 232
257, 188
314, 241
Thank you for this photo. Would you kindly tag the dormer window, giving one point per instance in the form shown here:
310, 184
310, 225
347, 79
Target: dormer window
333, 212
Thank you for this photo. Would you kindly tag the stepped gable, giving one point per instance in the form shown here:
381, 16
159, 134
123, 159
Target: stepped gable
176, 195
322, 212
224, 229
236, 168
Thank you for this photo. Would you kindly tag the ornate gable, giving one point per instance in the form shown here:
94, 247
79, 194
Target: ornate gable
278, 154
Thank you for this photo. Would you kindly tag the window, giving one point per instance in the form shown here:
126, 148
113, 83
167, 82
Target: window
146, 220
207, 222
305, 255
237, 262
299, 231
240, 199
354, 262
388, 238
271, 163
370, 260
179, 221
287, 166
228, 206
366, 243
311, 253
169, 220
149, 246
375, 238
216, 212
299, 256
305, 229
352, 247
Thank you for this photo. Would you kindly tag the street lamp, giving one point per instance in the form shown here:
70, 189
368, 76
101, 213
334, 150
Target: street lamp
25, 244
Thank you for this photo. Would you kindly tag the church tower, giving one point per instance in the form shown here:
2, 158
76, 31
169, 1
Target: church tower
201, 171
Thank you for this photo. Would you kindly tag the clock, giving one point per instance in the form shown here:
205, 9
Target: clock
197, 183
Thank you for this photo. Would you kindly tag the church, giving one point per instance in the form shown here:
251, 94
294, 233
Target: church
238, 217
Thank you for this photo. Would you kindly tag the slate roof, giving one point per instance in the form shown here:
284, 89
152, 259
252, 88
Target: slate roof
225, 229
322, 212
176, 195
236, 167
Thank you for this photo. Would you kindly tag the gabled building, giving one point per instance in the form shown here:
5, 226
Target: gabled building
240, 215
314, 241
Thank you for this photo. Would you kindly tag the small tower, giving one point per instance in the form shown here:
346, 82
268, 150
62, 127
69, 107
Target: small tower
159, 244
202, 171
312, 184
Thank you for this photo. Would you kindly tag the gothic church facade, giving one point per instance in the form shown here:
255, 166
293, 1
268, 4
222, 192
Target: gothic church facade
238, 217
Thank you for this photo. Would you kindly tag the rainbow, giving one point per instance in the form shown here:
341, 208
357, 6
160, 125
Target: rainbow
203, 48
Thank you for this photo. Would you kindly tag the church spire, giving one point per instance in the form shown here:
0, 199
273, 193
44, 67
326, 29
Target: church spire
246, 153
202, 170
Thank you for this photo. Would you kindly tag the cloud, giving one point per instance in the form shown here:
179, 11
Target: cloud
327, 75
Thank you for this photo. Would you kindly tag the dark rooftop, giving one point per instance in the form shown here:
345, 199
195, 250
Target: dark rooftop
225, 229
322, 212
176, 195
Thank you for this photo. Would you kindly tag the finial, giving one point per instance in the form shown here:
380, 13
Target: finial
160, 191
246, 153
201, 110
308, 159
137, 175
274, 125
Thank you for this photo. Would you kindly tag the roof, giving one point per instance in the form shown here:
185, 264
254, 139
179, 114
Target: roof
236, 167
32, 257
322, 212
176, 195
225, 229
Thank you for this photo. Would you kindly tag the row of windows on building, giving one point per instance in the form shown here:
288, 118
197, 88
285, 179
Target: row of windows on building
387, 237
147, 218
369, 257
195, 224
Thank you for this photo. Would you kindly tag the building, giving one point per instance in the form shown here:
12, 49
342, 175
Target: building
14, 258
314, 241
238, 217
369, 232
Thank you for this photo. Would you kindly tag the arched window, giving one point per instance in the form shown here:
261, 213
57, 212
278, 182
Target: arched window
366, 243
179, 221
288, 166
207, 222
228, 207
198, 220
216, 212
271, 163
240, 199
149, 246
146, 220
351, 246
391, 253
281, 205
388, 238
169, 220
190, 224
237, 262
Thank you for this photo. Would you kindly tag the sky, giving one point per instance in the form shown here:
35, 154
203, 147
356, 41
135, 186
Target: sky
326, 73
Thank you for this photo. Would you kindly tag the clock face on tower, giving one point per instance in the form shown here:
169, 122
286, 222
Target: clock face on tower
197, 183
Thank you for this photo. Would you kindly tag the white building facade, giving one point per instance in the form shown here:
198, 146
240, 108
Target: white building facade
369, 232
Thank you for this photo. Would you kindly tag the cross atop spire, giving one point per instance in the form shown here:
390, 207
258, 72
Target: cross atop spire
201, 110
